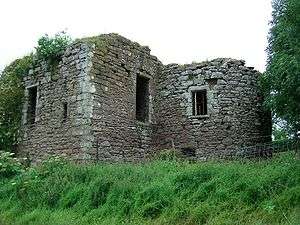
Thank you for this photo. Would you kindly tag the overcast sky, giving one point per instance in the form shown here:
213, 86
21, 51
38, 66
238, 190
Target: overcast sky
177, 31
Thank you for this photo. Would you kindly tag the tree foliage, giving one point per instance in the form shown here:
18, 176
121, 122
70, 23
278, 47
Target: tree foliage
51, 48
12, 89
281, 82
11, 98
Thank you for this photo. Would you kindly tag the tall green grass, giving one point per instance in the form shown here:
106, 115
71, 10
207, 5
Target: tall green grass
160, 192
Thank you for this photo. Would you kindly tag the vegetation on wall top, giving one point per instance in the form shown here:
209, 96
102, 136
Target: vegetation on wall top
99, 41
49, 49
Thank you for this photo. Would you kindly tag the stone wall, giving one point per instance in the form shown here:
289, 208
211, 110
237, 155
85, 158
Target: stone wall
235, 117
116, 64
63, 112
87, 105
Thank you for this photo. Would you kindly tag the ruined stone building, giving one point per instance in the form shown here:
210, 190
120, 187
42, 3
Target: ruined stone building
109, 99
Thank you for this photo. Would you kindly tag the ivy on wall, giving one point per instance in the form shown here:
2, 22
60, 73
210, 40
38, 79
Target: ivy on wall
49, 49
11, 98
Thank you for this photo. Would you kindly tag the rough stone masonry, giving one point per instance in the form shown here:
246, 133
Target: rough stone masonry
109, 99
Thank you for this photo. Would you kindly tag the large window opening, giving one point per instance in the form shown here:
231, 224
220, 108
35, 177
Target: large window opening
199, 103
32, 100
142, 98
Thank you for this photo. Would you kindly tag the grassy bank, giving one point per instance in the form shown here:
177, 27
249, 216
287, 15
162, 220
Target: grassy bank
265, 192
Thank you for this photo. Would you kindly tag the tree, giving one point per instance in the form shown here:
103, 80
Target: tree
48, 49
281, 81
11, 97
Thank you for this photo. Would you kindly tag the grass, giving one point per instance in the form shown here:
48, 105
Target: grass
160, 192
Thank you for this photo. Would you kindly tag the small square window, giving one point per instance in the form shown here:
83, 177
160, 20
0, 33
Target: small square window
199, 99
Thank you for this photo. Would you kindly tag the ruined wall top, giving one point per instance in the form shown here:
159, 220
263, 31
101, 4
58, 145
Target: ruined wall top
102, 42
98, 83
224, 63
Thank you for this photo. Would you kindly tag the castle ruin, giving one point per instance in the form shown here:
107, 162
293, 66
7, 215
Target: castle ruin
109, 99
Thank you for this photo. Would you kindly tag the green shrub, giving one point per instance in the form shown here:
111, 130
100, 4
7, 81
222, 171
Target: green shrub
168, 155
9, 166
52, 165
11, 101
51, 48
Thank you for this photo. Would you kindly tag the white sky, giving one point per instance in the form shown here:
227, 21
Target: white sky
177, 31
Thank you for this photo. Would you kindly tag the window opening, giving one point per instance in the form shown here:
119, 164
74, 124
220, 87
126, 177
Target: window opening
65, 111
32, 100
199, 103
188, 152
142, 98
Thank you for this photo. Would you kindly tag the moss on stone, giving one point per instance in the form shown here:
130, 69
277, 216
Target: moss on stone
99, 41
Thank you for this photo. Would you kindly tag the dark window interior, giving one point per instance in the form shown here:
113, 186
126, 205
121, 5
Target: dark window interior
199, 103
32, 99
142, 98
65, 111
188, 152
